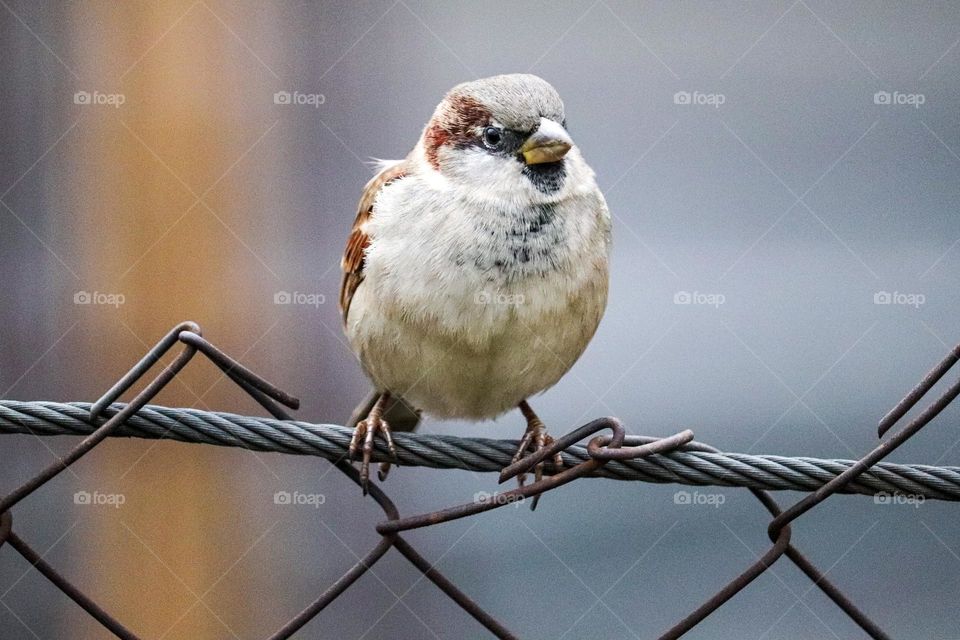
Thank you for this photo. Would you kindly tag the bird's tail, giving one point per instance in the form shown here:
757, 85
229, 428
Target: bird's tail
398, 414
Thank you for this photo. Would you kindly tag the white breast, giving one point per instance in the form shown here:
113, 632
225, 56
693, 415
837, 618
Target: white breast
468, 304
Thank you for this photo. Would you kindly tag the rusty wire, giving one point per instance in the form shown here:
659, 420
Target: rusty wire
602, 448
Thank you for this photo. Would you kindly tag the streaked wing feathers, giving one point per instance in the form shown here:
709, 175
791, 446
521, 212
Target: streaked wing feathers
355, 253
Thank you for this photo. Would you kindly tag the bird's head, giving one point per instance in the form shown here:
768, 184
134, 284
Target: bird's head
504, 136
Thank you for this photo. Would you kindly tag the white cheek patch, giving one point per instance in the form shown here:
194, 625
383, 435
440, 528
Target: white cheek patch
483, 176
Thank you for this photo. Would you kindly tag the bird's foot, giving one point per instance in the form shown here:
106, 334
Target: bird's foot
365, 431
534, 439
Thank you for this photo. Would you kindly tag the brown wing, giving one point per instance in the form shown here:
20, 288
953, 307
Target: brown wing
355, 253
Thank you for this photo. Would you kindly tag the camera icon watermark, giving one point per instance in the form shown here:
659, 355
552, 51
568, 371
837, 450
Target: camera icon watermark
897, 98
298, 298
298, 499
696, 498
97, 98
699, 298
484, 497
296, 98
699, 98
99, 298
97, 499
912, 499
499, 298
915, 300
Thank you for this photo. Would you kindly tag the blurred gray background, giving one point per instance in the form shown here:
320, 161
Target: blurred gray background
787, 188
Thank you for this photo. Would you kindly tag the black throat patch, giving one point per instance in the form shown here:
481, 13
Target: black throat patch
547, 177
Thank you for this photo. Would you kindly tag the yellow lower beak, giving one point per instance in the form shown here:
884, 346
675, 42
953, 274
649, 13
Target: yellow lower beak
549, 143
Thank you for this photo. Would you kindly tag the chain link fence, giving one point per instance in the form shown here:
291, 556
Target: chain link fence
610, 453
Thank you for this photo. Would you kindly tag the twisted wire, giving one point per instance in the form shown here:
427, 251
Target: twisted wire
683, 466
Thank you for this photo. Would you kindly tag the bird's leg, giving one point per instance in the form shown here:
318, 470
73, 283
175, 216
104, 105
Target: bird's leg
366, 429
402, 422
534, 439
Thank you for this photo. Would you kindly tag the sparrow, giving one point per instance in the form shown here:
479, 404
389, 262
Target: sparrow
476, 271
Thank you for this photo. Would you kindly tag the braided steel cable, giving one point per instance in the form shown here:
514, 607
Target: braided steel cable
684, 465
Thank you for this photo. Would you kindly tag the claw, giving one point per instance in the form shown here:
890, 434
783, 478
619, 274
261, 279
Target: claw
367, 453
385, 466
534, 439
355, 439
525, 443
367, 430
388, 436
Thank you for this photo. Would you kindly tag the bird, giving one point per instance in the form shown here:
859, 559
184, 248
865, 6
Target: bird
477, 268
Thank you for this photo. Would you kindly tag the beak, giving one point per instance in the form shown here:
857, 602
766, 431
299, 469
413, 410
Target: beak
549, 143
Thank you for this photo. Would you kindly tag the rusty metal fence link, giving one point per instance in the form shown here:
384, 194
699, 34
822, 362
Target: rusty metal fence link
672, 459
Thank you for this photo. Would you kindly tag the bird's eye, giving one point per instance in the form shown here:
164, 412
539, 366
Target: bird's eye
492, 137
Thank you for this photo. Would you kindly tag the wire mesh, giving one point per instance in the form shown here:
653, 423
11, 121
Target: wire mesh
601, 449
